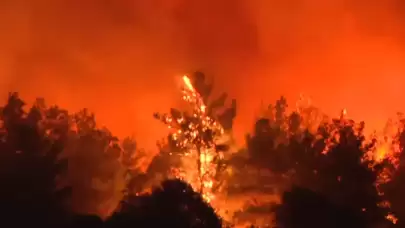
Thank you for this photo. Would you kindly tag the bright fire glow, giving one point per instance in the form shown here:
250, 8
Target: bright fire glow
386, 147
196, 133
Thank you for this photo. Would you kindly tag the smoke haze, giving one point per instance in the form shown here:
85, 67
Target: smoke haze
121, 58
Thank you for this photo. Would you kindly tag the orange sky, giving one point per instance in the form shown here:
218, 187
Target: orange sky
121, 58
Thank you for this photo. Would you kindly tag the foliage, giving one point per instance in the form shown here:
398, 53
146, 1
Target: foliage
303, 208
30, 167
47, 149
47, 144
54, 164
173, 204
395, 188
196, 133
96, 174
329, 161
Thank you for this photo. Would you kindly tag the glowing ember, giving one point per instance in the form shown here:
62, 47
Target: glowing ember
196, 133
392, 218
385, 148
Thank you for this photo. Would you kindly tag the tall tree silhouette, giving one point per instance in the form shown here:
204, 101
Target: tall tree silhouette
329, 161
303, 208
45, 150
346, 179
395, 188
198, 132
97, 176
30, 166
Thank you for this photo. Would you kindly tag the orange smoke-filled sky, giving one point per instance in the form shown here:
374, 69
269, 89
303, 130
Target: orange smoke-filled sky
121, 58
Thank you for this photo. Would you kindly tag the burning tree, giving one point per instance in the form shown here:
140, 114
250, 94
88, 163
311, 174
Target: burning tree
195, 134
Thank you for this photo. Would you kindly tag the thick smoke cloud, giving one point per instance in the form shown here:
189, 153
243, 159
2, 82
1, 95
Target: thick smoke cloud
121, 58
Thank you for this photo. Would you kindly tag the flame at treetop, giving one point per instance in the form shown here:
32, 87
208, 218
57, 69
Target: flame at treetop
381, 148
196, 134
385, 150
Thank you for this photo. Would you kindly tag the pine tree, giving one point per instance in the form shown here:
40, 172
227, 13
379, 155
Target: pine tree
195, 133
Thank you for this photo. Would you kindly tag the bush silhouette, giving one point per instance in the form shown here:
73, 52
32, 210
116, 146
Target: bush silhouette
303, 208
174, 204
54, 164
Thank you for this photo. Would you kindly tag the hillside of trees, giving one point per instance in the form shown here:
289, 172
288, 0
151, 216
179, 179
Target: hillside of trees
59, 169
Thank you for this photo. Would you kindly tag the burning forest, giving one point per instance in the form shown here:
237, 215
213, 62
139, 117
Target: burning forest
184, 113
298, 168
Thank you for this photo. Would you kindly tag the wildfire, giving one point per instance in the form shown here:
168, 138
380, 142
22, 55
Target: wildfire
386, 148
385, 151
196, 133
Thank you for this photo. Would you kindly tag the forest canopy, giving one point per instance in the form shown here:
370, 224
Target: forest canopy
298, 168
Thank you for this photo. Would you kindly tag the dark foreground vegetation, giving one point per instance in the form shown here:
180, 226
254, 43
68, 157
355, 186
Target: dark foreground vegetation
59, 169
50, 161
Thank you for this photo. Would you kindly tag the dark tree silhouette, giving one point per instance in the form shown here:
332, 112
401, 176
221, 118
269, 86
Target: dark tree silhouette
329, 161
97, 176
131, 156
37, 179
29, 169
346, 179
84, 221
394, 189
215, 106
302, 208
174, 204
53, 164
